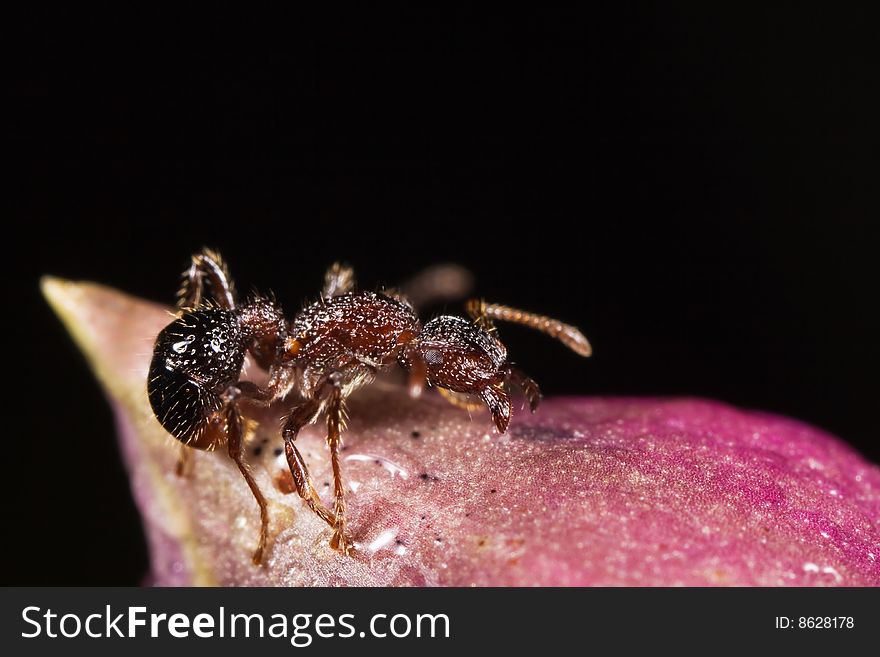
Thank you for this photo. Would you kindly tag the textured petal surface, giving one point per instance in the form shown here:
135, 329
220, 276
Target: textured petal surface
588, 491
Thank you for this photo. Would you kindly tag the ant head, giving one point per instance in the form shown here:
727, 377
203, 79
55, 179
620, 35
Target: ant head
459, 355
463, 357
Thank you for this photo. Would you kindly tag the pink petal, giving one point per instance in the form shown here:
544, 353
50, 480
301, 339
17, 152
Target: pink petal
589, 491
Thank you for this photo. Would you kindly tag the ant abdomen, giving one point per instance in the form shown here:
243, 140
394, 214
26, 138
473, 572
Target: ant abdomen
195, 359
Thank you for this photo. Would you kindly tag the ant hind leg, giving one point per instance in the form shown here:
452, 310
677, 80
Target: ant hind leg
207, 265
181, 468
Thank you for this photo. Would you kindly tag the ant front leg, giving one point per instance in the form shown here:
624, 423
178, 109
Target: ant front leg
207, 265
460, 400
497, 401
334, 441
528, 385
302, 415
296, 420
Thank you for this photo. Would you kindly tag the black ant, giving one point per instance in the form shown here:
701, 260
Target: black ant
331, 348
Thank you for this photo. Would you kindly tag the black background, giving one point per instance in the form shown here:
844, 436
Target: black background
691, 189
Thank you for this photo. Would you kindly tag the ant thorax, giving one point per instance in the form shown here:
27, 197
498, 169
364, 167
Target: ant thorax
354, 334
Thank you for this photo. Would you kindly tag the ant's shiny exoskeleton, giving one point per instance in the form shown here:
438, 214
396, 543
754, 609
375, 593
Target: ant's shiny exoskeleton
331, 348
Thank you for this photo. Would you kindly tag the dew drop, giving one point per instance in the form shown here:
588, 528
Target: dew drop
394, 468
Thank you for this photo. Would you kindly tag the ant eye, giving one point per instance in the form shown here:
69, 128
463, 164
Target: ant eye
460, 339
433, 357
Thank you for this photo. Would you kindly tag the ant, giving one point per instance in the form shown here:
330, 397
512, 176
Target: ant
332, 347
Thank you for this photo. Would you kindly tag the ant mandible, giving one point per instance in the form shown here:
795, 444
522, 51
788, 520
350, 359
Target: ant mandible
331, 348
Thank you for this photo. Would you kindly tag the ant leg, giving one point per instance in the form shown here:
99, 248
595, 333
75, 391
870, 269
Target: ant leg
254, 393
338, 280
476, 310
206, 264
183, 461
235, 445
483, 313
528, 385
335, 414
296, 420
418, 374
